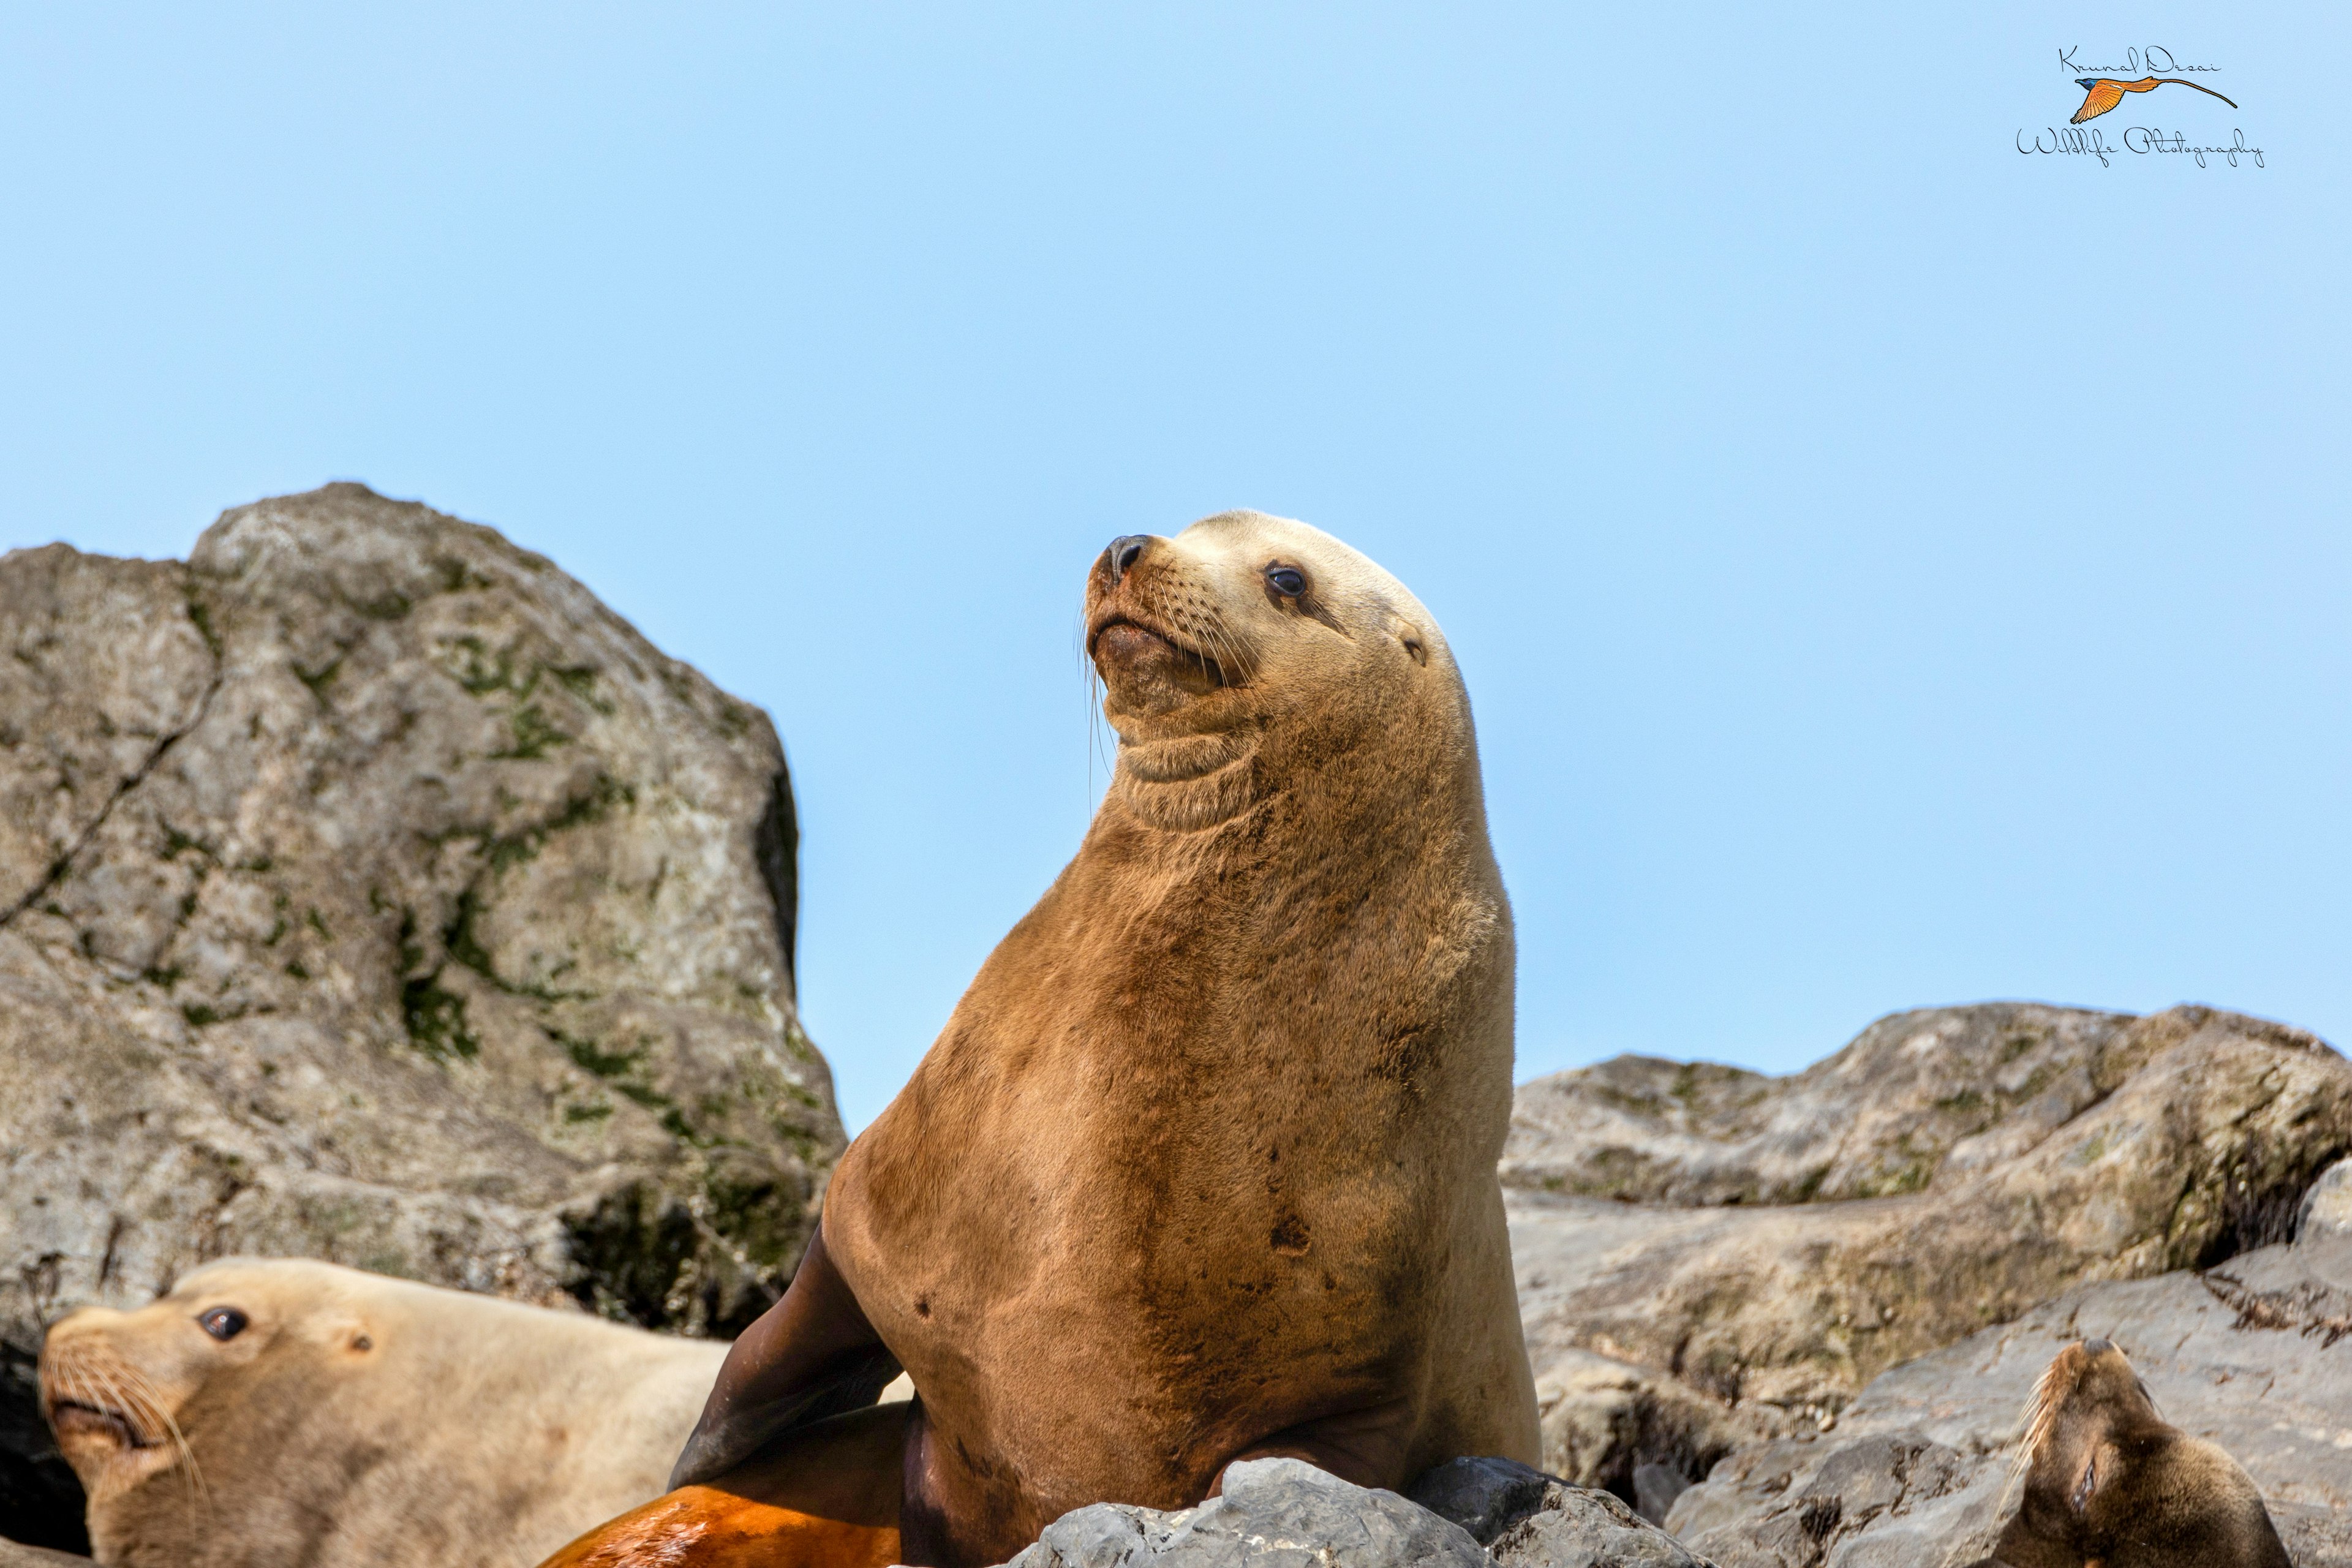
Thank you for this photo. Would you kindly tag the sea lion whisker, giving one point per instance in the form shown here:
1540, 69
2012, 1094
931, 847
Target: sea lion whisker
143, 1387
1230, 654
1207, 628
110, 1399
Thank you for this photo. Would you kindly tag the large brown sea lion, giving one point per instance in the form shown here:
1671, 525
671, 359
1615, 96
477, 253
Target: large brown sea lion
2108, 1484
1203, 1167
281, 1414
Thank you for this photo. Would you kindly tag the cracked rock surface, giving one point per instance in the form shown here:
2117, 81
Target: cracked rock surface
1709, 1257
1277, 1513
369, 891
2256, 1355
1285, 1513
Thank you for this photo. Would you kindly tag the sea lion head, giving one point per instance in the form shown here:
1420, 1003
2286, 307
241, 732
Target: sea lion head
129, 1392
2087, 1406
1247, 645
288, 1410
2108, 1481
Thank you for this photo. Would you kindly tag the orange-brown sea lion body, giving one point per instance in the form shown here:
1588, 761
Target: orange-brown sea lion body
1203, 1167
824, 1496
2108, 1484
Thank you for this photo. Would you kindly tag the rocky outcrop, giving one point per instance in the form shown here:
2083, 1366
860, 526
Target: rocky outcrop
1284, 1513
2256, 1355
12, 1555
369, 891
2327, 1207
1526, 1519
1747, 1252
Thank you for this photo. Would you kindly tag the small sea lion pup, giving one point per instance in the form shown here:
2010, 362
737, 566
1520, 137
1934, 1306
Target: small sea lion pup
2109, 1485
1203, 1167
271, 1414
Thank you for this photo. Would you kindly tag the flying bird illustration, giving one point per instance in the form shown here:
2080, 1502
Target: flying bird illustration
2105, 92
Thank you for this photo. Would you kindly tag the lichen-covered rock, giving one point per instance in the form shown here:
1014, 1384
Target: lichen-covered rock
1935, 1093
369, 891
1527, 1519
2130, 1147
2256, 1355
1272, 1513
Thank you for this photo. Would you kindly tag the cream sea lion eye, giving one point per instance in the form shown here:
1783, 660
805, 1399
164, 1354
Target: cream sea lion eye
223, 1322
1287, 580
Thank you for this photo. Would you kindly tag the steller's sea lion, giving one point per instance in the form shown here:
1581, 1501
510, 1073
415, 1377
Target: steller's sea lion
277, 1413
2108, 1484
1203, 1167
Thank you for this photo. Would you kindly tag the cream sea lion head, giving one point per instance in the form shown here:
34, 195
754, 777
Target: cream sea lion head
282, 1409
121, 1388
1246, 648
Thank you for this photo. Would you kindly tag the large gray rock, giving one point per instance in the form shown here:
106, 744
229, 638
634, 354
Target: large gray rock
1876, 1119
1272, 1513
2256, 1355
1527, 1519
1285, 1513
12, 1555
1771, 1245
369, 891
2327, 1207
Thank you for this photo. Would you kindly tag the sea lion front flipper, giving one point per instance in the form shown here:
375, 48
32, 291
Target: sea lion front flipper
824, 1496
811, 1356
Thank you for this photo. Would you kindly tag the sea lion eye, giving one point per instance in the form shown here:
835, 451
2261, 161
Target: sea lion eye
1287, 580
223, 1322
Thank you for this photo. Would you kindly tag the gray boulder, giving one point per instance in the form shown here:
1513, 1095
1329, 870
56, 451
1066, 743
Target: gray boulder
1527, 1519
1285, 1513
2327, 1207
1758, 1250
12, 1555
369, 891
1272, 1513
2256, 1355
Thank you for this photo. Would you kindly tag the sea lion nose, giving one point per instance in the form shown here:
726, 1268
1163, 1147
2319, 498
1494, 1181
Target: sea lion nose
1124, 552
2096, 1347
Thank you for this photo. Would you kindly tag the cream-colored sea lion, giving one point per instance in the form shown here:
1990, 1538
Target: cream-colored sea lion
2109, 1485
274, 1413
1203, 1167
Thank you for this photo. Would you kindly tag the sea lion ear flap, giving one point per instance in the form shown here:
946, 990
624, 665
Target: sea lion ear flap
1410, 635
343, 1330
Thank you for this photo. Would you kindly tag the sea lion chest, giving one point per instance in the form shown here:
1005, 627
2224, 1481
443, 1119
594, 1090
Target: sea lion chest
1166, 1172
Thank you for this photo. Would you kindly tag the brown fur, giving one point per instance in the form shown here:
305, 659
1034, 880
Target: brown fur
1202, 1166
2108, 1484
358, 1420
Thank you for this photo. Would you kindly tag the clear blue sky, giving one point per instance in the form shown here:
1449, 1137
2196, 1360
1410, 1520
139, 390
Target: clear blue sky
1890, 569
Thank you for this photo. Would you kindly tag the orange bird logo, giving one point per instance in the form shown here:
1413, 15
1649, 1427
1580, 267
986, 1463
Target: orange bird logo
2105, 92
